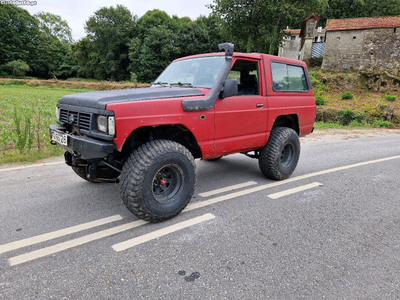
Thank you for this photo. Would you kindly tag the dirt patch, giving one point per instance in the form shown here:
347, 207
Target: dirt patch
347, 134
103, 85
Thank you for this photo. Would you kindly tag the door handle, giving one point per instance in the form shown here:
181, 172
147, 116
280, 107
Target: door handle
260, 105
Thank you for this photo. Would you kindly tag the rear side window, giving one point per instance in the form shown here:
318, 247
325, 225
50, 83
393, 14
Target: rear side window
288, 77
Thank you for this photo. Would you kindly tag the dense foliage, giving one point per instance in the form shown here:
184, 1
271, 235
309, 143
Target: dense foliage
120, 46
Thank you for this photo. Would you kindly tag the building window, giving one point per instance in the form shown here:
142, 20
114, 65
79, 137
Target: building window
293, 37
394, 30
354, 37
316, 39
338, 38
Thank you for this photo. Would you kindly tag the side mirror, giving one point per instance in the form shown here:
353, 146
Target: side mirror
230, 88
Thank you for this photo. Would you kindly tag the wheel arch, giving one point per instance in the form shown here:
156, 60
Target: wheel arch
290, 121
173, 132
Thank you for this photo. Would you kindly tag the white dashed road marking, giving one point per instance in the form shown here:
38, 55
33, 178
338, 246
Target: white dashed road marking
277, 183
147, 237
294, 190
55, 234
161, 232
227, 189
73, 243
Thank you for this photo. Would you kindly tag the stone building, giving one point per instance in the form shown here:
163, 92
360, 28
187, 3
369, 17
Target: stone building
363, 43
302, 43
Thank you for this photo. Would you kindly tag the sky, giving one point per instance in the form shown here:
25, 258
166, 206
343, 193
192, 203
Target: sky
77, 12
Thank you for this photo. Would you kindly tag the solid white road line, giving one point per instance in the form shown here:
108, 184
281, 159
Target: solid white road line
32, 166
161, 232
55, 234
73, 243
227, 189
277, 183
294, 190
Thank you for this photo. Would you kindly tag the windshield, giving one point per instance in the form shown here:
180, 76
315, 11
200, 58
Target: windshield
196, 72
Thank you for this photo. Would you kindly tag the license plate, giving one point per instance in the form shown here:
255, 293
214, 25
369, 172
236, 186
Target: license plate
61, 138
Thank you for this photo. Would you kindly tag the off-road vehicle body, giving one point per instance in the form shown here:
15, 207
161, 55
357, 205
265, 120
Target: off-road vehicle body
202, 106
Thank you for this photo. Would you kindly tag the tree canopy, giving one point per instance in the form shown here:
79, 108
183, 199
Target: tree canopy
120, 46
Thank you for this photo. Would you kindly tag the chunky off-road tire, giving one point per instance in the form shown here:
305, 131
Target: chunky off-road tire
278, 159
158, 180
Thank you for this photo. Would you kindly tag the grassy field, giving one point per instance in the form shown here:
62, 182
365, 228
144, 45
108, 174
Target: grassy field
25, 113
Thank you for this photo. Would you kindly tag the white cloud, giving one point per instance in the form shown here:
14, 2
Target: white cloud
76, 13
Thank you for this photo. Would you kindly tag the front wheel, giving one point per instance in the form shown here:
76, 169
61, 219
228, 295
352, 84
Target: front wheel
158, 180
278, 159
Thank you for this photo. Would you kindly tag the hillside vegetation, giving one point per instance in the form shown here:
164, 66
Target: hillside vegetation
347, 100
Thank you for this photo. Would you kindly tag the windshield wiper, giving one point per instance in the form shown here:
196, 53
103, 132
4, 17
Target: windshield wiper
181, 84
159, 83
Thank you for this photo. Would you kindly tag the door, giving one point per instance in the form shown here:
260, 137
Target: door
241, 121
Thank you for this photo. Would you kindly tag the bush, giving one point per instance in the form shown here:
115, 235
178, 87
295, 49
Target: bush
346, 116
347, 95
319, 100
382, 123
390, 98
313, 77
17, 67
315, 61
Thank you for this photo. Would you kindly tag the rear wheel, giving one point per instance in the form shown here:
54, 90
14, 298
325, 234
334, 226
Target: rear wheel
158, 180
278, 159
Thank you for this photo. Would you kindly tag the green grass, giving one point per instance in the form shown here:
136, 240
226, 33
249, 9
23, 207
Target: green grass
352, 125
25, 114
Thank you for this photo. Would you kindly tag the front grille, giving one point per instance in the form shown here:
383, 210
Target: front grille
82, 120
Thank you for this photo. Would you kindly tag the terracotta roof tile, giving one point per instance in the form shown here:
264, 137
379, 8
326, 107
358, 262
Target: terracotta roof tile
362, 23
297, 31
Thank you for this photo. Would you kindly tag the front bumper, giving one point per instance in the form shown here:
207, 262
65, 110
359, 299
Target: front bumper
83, 146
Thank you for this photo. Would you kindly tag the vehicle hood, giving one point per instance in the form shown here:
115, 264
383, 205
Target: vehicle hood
100, 100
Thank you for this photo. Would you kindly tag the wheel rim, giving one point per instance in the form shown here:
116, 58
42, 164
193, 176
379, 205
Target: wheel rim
167, 183
287, 155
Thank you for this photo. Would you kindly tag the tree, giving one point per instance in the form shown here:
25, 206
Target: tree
152, 18
111, 30
158, 50
88, 60
340, 9
258, 25
18, 34
53, 25
17, 67
192, 38
214, 30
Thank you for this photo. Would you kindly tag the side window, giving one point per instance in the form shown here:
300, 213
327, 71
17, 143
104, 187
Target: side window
279, 77
247, 75
288, 77
297, 79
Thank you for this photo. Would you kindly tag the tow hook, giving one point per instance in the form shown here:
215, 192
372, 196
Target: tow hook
91, 170
68, 158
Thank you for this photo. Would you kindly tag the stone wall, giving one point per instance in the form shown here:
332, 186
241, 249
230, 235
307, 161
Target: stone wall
290, 48
353, 50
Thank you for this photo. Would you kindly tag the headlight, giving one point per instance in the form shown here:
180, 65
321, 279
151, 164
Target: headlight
102, 123
58, 113
105, 123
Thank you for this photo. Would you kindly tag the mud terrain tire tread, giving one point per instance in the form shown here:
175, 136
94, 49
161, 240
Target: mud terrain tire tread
136, 171
270, 155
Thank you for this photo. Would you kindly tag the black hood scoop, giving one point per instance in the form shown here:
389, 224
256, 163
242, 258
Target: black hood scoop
100, 100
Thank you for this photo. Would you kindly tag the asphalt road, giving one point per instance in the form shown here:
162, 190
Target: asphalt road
330, 231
